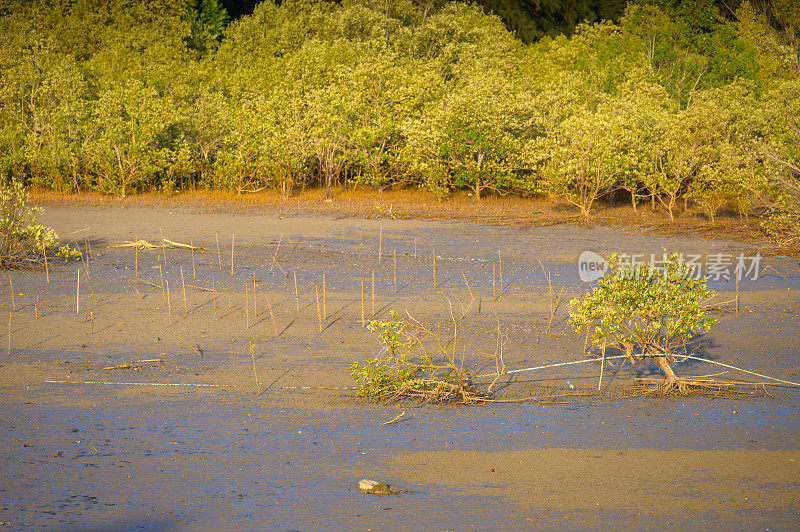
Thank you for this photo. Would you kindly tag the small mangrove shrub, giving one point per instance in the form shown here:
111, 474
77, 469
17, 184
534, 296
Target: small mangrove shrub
404, 368
23, 242
644, 310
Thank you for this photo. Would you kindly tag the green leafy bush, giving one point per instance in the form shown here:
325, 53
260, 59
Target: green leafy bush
782, 221
22, 241
403, 367
390, 372
640, 307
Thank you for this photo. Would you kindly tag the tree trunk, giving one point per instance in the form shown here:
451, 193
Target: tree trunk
669, 207
481, 155
328, 183
663, 363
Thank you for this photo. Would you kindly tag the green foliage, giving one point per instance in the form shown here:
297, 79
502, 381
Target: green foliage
23, 242
208, 19
673, 101
689, 48
656, 309
779, 148
531, 20
585, 157
391, 332
390, 372
404, 367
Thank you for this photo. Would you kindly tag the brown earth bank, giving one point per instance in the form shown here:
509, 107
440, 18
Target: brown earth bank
509, 210
242, 416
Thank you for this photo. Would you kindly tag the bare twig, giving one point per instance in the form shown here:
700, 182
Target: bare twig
11, 283
91, 292
233, 241
500, 269
275, 255
201, 288
553, 299
170, 243
219, 254
434, 267
271, 315
199, 353
395, 419
255, 298
296, 295
494, 274
468, 287
319, 312
169, 304
255, 373
144, 244
246, 307
183, 283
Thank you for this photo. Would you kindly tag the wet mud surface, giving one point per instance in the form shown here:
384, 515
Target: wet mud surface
186, 443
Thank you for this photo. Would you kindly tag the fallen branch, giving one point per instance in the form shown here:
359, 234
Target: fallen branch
132, 363
548, 366
743, 370
547, 398
397, 418
199, 288
136, 279
584, 361
185, 246
144, 244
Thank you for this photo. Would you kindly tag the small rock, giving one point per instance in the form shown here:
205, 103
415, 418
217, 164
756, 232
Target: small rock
379, 488
371, 486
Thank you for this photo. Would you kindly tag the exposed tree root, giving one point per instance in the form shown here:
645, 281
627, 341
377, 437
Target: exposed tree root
445, 392
699, 386
436, 391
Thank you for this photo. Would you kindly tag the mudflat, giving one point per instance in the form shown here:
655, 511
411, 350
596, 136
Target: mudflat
178, 389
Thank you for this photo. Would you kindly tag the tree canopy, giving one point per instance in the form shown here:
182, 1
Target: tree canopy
666, 101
